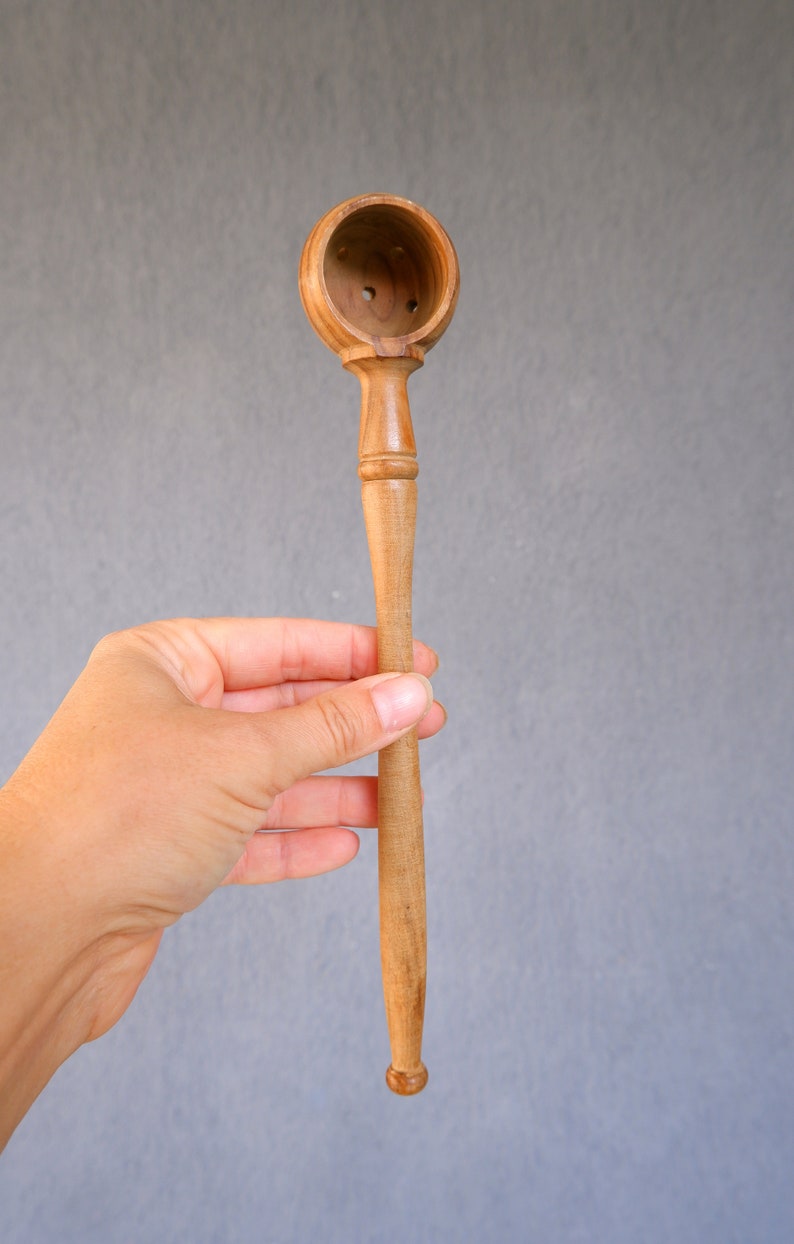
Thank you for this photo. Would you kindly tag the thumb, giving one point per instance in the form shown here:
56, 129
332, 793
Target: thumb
341, 725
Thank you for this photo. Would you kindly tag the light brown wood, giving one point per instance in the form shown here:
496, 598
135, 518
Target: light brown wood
379, 282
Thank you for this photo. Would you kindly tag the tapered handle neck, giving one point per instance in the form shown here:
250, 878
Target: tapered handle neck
386, 445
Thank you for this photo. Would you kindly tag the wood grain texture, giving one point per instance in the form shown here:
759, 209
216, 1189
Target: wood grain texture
379, 283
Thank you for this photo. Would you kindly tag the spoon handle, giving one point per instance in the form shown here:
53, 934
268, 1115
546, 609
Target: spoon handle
388, 469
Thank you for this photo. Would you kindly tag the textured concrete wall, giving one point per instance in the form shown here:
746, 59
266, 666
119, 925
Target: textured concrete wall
605, 562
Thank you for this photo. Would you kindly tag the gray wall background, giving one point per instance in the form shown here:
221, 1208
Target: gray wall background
604, 562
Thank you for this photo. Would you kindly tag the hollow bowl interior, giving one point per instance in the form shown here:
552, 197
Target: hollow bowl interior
384, 272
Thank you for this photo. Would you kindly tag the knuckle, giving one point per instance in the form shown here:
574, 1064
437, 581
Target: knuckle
341, 724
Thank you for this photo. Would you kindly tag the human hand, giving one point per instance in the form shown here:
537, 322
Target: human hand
177, 743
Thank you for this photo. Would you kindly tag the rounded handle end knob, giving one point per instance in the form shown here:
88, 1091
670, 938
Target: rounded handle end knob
406, 1083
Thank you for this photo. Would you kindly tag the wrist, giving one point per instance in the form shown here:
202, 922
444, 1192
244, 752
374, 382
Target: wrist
49, 962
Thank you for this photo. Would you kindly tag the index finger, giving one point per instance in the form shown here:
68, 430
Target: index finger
263, 652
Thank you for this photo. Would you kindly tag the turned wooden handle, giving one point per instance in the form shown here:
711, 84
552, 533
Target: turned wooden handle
388, 467
379, 283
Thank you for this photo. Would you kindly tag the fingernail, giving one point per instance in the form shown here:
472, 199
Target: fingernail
402, 700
